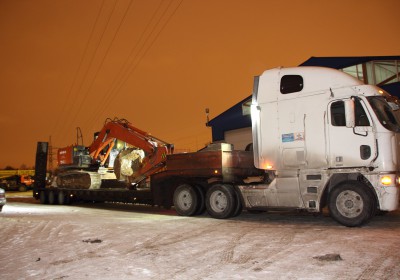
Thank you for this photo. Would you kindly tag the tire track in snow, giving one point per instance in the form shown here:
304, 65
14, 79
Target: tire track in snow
158, 244
278, 248
228, 253
232, 255
386, 262
162, 240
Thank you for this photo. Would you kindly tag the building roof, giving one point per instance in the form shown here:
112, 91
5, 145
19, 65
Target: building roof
343, 62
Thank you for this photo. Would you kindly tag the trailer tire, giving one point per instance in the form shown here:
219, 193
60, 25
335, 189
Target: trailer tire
62, 198
43, 197
52, 198
221, 201
186, 200
351, 203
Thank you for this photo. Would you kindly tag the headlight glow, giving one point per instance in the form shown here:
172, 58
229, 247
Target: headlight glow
267, 166
386, 180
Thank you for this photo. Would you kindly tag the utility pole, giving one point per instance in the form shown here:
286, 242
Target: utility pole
50, 156
79, 136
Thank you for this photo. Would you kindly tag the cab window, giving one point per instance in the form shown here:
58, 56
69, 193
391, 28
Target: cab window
361, 115
338, 116
291, 83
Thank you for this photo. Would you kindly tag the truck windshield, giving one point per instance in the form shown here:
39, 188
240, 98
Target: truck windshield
389, 116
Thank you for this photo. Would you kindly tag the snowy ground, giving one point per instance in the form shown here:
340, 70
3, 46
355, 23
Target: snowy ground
108, 241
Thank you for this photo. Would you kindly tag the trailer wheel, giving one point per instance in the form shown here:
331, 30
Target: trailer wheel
52, 198
185, 200
43, 197
221, 201
62, 198
351, 204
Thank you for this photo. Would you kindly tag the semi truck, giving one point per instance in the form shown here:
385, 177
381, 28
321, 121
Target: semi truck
321, 138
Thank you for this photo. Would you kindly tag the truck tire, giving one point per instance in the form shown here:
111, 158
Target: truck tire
52, 198
221, 201
22, 188
186, 200
43, 197
239, 206
351, 204
201, 207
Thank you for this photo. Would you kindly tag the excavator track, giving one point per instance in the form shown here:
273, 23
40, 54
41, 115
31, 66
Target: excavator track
79, 180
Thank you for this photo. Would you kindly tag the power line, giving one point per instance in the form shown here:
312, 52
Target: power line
68, 96
134, 66
125, 66
82, 102
93, 56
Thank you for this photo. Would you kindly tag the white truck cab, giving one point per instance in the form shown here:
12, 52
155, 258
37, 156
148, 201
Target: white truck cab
325, 138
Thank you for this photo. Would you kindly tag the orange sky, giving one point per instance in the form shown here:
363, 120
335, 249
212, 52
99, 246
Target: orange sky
160, 63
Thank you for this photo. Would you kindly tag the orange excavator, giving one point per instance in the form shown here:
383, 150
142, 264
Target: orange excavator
119, 151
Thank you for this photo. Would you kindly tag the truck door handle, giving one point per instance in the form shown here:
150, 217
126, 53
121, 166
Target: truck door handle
361, 130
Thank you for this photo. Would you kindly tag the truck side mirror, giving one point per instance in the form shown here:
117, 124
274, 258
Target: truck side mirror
349, 108
393, 106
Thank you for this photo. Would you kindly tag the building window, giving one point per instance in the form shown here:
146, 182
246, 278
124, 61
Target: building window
378, 72
246, 107
291, 83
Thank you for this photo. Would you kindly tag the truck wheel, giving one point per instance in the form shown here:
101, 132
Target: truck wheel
43, 197
22, 188
201, 207
52, 198
239, 206
185, 200
221, 201
351, 204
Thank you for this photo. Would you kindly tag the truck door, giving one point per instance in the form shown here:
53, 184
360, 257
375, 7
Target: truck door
350, 146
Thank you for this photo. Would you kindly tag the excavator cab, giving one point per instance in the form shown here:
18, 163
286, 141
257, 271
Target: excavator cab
74, 157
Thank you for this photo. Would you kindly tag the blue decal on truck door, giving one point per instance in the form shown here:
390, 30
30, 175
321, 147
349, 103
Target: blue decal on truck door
289, 137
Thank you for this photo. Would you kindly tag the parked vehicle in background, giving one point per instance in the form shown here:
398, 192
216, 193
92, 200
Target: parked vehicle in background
17, 183
2, 199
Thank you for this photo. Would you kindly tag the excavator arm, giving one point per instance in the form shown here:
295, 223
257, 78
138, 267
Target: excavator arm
155, 150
